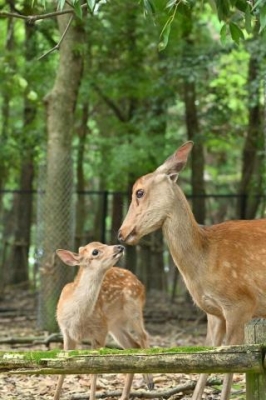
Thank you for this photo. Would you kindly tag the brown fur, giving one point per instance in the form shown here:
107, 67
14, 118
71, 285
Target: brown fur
223, 265
102, 299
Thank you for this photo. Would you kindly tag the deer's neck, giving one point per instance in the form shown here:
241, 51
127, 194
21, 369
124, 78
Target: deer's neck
185, 238
87, 288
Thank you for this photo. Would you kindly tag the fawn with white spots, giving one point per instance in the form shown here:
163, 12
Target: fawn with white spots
223, 266
102, 299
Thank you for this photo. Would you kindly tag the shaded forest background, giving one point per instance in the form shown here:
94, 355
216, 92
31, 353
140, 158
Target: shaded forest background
126, 85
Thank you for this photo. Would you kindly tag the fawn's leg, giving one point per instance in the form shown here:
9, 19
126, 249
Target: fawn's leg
96, 344
127, 387
93, 386
69, 344
215, 335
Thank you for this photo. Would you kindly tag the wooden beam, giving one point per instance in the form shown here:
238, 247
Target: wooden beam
244, 358
255, 332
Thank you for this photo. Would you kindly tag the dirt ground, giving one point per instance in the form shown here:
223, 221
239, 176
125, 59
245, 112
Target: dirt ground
169, 323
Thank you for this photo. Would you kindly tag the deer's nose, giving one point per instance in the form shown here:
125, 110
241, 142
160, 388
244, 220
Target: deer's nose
120, 236
120, 248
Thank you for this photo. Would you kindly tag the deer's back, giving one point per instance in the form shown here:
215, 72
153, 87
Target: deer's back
121, 294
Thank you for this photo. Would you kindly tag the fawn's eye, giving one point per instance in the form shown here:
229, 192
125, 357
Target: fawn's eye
95, 252
139, 193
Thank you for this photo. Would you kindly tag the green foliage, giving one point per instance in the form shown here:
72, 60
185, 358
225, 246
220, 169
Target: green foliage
24, 84
91, 4
135, 92
262, 15
239, 17
236, 32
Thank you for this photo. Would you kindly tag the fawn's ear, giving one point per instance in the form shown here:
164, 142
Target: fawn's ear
68, 257
176, 162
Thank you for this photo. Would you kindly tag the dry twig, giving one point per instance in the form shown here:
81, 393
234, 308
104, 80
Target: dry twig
182, 388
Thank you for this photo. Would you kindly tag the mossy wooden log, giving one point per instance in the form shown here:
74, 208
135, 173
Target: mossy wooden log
246, 358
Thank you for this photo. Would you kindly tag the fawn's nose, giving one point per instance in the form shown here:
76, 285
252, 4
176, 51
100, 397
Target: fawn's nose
120, 248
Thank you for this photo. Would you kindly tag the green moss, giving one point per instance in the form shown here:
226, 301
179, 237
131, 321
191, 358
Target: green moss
37, 356
154, 350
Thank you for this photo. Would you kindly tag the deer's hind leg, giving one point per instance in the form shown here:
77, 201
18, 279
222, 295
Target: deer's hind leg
126, 340
236, 318
137, 325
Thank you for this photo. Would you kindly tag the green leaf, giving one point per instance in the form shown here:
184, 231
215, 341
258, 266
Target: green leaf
60, 4
258, 3
262, 16
242, 5
248, 25
42, 2
148, 7
171, 3
165, 37
223, 33
236, 32
78, 9
91, 4
223, 9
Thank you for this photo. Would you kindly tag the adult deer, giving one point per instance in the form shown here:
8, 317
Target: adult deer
223, 266
102, 299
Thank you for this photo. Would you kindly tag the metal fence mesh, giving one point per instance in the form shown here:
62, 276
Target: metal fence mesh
62, 215
55, 229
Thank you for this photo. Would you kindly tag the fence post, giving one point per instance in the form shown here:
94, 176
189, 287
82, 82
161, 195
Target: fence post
255, 332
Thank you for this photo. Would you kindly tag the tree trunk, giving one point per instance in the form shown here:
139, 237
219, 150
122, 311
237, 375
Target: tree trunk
21, 245
131, 251
253, 157
5, 116
6, 97
80, 238
192, 125
117, 215
101, 206
197, 159
151, 266
58, 205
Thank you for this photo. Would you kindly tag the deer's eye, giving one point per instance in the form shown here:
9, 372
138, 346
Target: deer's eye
95, 252
140, 193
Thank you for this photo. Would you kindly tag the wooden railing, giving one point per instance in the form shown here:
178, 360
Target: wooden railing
248, 359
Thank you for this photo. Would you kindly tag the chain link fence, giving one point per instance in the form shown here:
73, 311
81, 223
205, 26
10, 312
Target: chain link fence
55, 229
63, 218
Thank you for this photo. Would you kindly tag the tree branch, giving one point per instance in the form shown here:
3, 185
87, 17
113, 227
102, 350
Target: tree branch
110, 103
151, 394
31, 19
57, 46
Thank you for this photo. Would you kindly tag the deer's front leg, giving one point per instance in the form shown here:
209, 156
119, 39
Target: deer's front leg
215, 335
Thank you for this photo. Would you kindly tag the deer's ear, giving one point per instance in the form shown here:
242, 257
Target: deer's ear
175, 163
173, 176
68, 257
